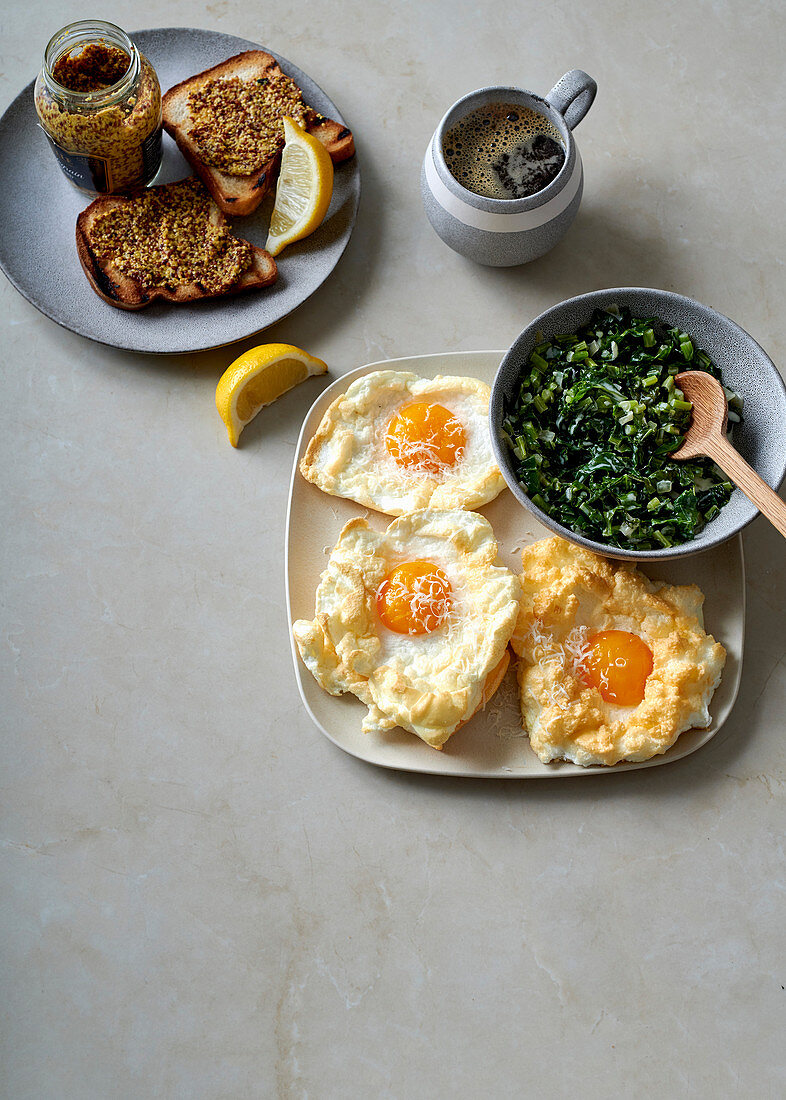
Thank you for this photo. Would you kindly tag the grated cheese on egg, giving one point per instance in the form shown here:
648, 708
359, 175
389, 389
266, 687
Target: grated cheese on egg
349, 455
430, 683
429, 598
569, 595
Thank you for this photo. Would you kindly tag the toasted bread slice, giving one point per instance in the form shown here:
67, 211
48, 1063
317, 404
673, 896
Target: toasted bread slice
189, 267
238, 194
490, 686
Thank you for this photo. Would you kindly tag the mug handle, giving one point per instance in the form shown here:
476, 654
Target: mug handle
572, 96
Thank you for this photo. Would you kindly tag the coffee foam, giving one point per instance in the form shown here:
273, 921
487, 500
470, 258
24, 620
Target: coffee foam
476, 143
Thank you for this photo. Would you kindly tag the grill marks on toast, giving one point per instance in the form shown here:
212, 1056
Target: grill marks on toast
233, 194
104, 266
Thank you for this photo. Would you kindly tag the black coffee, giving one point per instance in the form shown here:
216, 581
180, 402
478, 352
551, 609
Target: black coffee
504, 151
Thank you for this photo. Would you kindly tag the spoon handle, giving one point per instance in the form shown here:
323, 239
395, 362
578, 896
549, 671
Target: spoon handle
745, 477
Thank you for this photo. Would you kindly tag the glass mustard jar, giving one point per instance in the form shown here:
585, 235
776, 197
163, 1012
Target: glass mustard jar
98, 101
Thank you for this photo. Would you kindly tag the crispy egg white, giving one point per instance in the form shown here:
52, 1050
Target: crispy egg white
570, 597
349, 455
428, 683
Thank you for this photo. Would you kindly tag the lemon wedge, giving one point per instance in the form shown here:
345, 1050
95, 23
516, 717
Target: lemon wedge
257, 378
305, 185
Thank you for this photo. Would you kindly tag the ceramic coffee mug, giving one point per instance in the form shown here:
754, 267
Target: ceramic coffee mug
504, 232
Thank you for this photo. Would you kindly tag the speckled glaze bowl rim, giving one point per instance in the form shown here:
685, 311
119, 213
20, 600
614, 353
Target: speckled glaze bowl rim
597, 299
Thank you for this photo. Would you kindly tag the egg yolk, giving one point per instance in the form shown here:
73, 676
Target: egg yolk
427, 437
617, 664
414, 598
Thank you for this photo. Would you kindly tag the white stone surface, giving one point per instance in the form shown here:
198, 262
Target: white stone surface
204, 898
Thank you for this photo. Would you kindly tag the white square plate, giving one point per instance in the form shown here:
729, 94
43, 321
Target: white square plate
492, 745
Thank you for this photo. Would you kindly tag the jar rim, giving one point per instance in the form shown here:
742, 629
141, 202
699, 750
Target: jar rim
82, 33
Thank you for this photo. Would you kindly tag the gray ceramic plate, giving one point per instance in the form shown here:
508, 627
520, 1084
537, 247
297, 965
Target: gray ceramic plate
38, 211
746, 368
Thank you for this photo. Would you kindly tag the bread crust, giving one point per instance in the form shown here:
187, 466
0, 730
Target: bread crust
490, 686
241, 195
123, 292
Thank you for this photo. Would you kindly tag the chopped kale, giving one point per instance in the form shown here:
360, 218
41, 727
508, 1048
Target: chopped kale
595, 420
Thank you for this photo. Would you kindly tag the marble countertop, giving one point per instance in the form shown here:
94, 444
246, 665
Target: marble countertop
203, 897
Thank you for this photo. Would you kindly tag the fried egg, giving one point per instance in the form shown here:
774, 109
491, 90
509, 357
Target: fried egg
396, 443
612, 666
414, 621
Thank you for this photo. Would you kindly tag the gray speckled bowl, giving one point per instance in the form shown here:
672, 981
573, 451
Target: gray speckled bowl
746, 368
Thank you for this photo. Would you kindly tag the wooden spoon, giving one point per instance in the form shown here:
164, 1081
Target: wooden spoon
707, 436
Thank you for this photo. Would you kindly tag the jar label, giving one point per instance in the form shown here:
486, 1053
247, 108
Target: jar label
93, 173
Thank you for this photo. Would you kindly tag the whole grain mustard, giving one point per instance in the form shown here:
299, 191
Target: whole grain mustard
98, 101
